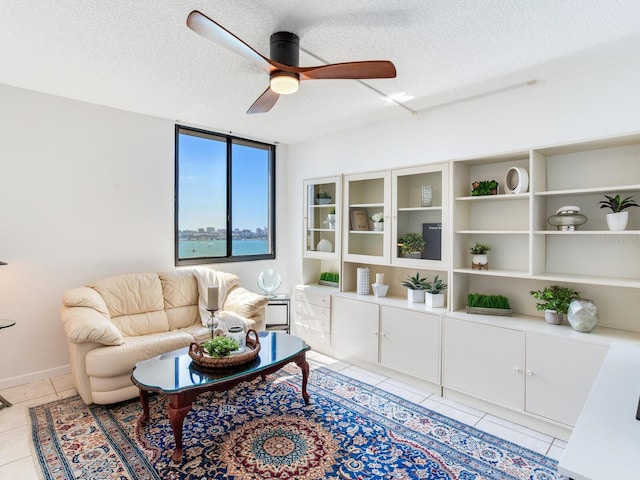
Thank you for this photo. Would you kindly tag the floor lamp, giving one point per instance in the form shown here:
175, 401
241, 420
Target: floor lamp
4, 324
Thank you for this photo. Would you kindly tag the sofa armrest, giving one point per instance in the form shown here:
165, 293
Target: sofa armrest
84, 324
245, 303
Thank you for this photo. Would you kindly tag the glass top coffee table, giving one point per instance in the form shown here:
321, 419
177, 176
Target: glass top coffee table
175, 375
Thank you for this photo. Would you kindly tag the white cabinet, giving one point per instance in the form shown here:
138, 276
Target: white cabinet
397, 338
545, 374
410, 342
312, 318
484, 361
355, 330
560, 374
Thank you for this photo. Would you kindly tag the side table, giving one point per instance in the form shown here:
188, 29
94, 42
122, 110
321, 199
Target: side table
282, 300
5, 324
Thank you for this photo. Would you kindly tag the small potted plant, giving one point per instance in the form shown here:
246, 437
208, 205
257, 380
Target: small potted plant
484, 187
434, 296
378, 221
555, 302
331, 218
479, 259
323, 198
617, 219
415, 288
411, 245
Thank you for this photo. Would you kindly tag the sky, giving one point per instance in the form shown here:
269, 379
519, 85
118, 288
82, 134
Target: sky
202, 185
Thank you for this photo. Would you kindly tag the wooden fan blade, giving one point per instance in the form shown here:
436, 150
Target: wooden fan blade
203, 25
350, 70
265, 102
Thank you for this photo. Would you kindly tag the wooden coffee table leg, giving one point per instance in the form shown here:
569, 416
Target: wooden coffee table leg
178, 409
304, 366
144, 400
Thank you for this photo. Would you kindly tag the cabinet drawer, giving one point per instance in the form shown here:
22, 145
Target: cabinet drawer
313, 297
311, 310
319, 323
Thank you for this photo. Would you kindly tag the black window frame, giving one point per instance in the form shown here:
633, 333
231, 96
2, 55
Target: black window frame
230, 140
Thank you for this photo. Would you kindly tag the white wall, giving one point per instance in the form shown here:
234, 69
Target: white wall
600, 101
87, 192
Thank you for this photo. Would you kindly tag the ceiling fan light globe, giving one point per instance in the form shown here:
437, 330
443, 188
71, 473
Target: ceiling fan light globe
284, 83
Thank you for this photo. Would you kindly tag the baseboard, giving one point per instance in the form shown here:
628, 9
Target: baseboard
34, 377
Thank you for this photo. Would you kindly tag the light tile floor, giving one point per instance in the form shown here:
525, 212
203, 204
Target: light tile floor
17, 461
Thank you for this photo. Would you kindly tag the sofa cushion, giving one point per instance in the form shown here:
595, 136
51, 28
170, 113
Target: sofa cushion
244, 302
85, 297
180, 290
135, 303
118, 360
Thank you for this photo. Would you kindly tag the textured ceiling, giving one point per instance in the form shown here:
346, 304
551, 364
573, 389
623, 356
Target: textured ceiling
140, 56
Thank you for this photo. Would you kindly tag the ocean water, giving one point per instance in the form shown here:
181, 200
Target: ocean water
216, 248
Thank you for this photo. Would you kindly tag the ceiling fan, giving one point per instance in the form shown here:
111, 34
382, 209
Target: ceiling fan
283, 69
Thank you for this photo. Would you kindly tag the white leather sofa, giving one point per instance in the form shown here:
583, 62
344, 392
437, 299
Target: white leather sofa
114, 323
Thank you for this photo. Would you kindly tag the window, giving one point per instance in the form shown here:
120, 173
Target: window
224, 198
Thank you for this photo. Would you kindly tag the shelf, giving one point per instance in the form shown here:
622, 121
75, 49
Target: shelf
324, 205
499, 197
367, 232
589, 191
494, 272
587, 232
588, 279
493, 232
366, 205
419, 209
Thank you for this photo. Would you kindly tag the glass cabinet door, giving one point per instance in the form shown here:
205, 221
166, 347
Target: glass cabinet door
367, 217
322, 218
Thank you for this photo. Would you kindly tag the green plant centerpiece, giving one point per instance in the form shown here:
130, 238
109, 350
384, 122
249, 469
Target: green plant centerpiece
479, 260
484, 187
618, 218
330, 279
411, 244
554, 299
415, 287
220, 346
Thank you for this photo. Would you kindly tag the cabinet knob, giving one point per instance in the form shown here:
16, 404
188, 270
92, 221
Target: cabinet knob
516, 369
529, 373
374, 333
384, 334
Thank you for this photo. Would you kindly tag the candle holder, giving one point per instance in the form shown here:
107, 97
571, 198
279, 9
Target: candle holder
212, 321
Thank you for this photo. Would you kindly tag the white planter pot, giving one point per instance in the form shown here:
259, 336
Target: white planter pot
553, 317
378, 226
434, 299
479, 262
415, 296
617, 221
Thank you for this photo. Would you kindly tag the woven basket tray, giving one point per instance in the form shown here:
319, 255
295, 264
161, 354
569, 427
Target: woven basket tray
203, 359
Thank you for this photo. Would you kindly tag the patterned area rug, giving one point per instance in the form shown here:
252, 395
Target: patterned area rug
263, 430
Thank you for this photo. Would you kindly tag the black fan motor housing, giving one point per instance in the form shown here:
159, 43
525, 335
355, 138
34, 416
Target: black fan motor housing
285, 48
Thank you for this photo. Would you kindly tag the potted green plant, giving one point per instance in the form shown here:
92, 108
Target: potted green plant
378, 221
617, 219
331, 218
555, 302
484, 187
323, 198
479, 251
434, 293
411, 245
415, 288
479, 303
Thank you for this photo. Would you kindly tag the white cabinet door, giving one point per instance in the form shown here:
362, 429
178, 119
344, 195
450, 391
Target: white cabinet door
484, 361
410, 342
354, 332
560, 374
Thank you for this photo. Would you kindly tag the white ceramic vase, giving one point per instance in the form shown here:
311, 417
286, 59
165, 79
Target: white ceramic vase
617, 221
553, 317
